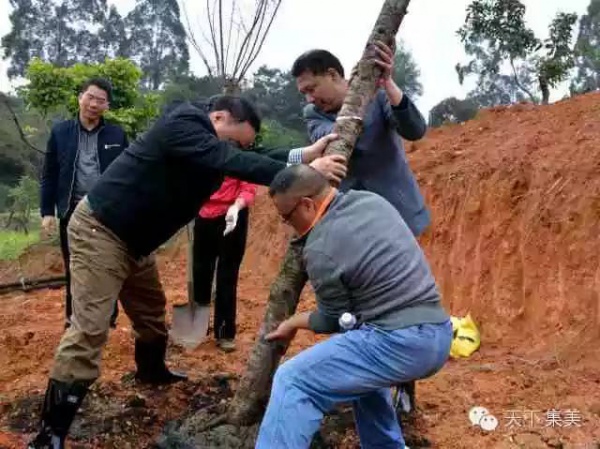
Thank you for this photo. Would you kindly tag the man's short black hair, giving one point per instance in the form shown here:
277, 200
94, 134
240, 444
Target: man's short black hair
317, 62
299, 180
100, 83
239, 108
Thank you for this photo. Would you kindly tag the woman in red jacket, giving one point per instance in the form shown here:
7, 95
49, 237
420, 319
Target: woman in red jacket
220, 232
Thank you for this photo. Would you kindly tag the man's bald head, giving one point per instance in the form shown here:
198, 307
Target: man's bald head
297, 192
299, 180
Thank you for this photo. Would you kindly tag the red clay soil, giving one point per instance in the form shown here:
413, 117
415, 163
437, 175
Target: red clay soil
515, 199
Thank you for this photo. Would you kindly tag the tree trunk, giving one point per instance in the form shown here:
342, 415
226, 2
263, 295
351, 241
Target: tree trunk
253, 391
519, 84
231, 87
545, 89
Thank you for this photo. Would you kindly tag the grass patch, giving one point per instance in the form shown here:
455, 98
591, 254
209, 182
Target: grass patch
12, 244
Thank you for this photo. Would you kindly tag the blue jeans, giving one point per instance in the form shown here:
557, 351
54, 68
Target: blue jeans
358, 366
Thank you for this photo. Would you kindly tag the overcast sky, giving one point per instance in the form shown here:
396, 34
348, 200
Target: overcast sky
342, 27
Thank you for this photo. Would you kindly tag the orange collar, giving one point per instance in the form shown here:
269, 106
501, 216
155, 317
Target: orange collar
321, 210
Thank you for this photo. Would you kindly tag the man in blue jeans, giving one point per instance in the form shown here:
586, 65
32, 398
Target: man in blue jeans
378, 163
362, 259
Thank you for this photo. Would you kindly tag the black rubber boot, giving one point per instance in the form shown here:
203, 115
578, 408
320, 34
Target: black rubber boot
405, 398
151, 367
61, 402
115, 314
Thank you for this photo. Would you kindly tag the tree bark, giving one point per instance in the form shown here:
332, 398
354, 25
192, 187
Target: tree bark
545, 89
519, 84
253, 391
231, 87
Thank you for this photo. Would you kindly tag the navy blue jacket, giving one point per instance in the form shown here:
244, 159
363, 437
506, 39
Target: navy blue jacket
378, 163
58, 174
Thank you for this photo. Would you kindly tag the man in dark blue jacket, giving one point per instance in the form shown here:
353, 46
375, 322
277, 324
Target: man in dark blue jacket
78, 152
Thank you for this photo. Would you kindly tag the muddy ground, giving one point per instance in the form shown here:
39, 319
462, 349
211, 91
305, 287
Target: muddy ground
515, 199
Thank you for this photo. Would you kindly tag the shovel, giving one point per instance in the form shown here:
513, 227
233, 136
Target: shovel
190, 321
190, 324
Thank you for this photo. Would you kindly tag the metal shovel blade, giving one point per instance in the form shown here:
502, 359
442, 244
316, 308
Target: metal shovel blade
190, 324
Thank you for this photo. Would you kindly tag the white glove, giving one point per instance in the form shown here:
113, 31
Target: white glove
231, 219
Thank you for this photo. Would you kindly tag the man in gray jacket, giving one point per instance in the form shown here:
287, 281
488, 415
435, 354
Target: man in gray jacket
363, 263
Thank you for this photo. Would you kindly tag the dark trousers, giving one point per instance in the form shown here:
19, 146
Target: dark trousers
213, 251
64, 248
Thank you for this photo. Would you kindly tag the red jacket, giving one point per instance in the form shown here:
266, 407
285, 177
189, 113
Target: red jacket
222, 199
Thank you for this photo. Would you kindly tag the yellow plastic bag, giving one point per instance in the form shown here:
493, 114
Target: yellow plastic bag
466, 337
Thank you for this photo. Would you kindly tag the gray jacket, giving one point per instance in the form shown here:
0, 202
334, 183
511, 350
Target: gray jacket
379, 163
362, 258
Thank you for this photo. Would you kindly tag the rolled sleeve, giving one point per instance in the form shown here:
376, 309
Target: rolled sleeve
295, 156
321, 323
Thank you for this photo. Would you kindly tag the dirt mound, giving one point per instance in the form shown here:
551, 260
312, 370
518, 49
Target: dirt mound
515, 201
39, 260
515, 197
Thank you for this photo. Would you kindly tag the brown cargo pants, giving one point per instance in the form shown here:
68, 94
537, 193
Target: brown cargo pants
102, 269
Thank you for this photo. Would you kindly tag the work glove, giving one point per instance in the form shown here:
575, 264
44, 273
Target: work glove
231, 219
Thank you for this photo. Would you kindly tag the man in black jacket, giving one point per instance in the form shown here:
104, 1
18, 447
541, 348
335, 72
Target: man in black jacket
153, 189
77, 153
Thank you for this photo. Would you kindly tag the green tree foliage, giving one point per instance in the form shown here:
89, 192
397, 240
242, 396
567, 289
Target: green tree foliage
559, 58
587, 51
4, 190
495, 33
56, 31
274, 135
501, 89
452, 110
190, 87
272, 91
275, 94
22, 200
65, 32
158, 42
112, 40
50, 89
406, 72
16, 157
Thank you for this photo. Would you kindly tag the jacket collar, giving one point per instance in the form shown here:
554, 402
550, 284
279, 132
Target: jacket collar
98, 127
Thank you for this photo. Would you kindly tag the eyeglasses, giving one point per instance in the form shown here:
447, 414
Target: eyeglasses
99, 100
287, 216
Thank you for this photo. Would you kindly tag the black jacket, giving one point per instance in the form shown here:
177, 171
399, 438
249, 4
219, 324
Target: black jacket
158, 184
58, 175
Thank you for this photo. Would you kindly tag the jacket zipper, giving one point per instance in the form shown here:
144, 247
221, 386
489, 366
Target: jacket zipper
77, 157
74, 168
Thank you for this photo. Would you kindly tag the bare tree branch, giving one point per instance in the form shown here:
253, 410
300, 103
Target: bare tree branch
15, 119
213, 37
247, 38
231, 16
262, 41
223, 62
192, 38
518, 83
233, 55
